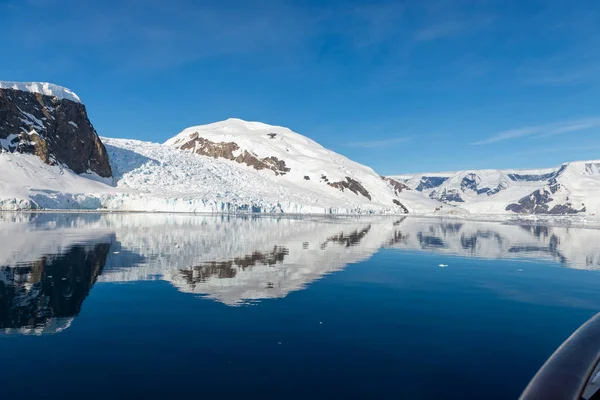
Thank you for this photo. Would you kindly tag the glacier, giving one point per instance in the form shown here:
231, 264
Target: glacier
237, 166
163, 178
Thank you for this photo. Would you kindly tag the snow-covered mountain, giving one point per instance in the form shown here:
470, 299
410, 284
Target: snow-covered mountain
572, 188
229, 166
52, 158
297, 165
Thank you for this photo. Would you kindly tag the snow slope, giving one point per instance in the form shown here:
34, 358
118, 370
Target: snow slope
308, 167
45, 88
572, 188
28, 183
154, 177
580, 185
164, 178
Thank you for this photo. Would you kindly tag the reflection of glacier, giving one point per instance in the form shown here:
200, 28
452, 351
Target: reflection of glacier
236, 259
571, 247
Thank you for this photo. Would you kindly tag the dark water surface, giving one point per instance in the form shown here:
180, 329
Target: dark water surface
151, 306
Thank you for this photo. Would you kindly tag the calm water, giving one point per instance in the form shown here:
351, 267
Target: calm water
150, 306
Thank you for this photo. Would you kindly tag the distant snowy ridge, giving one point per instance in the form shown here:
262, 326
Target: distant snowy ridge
45, 88
572, 188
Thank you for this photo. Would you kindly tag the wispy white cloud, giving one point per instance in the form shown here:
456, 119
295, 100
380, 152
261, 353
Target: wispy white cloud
509, 134
556, 150
378, 143
572, 127
541, 131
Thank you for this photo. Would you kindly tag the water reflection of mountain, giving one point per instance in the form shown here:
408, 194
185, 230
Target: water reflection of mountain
50, 262
571, 247
44, 296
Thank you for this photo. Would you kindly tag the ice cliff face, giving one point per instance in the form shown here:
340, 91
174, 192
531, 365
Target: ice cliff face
50, 122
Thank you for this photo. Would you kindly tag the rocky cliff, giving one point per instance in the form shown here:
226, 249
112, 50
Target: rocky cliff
37, 120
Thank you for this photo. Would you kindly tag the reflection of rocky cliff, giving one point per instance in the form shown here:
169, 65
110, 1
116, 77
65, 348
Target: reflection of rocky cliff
43, 296
236, 259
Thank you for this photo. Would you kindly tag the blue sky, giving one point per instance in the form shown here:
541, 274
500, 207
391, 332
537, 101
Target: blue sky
403, 86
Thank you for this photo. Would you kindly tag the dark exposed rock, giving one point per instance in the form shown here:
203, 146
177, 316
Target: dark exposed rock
532, 178
306, 178
352, 185
537, 202
447, 196
501, 186
397, 186
56, 130
205, 147
592, 168
430, 182
396, 202
562, 209
471, 181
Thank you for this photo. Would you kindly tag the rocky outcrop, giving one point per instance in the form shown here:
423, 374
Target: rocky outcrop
397, 186
430, 182
57, 130
472, 182
352, 185
538, 203
231, 151
402, 206
447, 195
